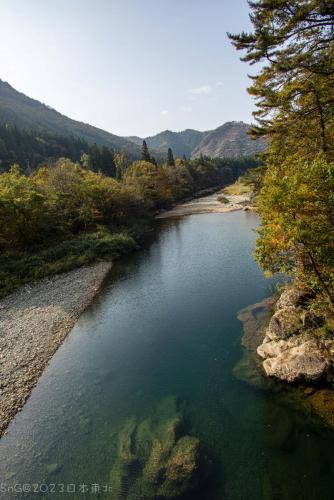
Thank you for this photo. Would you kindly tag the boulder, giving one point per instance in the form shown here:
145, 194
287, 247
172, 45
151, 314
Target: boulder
294, 296
274, 348
308, 361
284, 323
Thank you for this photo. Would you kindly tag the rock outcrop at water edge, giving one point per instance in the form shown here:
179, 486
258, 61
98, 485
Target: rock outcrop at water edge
293, 348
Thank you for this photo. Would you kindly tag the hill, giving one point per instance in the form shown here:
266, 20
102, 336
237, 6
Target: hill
24, 112
182, 143
227, 141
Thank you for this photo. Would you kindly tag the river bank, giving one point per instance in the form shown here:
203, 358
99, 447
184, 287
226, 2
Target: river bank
34, 321
284, 344
209, 204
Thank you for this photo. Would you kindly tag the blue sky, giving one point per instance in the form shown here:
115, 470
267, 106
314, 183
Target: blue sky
132, 67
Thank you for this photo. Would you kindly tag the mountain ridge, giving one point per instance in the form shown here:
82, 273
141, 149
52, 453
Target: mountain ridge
228, 140
25, 112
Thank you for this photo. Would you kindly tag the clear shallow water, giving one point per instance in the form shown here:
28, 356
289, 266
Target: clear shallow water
165, 324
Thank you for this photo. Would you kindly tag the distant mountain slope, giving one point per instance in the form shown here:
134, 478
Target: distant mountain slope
228, 140
22, 111
182, 143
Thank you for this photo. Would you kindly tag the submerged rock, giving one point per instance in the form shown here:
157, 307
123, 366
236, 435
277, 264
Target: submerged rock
247, 370
155, 458
255, 318
322, 402
181, 468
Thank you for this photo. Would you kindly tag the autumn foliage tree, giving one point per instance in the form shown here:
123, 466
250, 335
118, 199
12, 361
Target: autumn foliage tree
294, 41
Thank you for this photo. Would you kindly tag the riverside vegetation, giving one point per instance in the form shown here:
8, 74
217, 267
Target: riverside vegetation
295, 111
65, 213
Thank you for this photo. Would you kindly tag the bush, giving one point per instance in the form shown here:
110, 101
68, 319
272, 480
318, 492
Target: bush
223, 199
18, 268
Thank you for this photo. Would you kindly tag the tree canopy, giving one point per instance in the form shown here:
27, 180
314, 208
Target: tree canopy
294, 92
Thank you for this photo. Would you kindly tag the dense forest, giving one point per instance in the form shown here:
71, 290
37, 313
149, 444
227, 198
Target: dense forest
30, 149
57, 213
294, 91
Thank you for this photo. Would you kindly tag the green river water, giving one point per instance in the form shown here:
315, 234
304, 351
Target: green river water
165, 324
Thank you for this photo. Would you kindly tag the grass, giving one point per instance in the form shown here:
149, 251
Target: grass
238, 188
21, 267
223, 199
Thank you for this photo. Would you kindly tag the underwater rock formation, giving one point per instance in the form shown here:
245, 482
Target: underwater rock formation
155, 458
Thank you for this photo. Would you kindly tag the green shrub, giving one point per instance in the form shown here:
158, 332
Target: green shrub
223, 199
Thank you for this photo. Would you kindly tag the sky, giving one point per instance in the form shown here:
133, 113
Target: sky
132, 67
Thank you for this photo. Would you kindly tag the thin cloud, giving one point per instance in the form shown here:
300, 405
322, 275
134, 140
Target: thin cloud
164, 112
219, 84
186, 108
202, 90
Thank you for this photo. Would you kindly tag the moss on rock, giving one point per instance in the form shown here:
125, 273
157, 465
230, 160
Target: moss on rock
155, 458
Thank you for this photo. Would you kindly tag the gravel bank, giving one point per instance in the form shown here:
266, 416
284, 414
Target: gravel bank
33, 323
207, 204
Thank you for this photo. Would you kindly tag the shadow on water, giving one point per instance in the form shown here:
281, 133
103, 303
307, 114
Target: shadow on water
165, 328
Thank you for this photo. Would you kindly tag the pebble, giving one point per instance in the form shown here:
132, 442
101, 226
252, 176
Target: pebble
34, 322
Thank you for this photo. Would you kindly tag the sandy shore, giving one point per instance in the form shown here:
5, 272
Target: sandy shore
207, 204
33, 323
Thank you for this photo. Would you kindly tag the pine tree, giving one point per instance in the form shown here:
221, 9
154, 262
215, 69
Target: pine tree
170, 158
294, 92
107, 162
145, 155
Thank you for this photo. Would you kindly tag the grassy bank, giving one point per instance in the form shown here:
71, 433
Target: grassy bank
21, 267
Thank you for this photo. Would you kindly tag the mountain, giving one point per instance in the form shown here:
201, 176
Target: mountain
228, 140
24, 112
182, 143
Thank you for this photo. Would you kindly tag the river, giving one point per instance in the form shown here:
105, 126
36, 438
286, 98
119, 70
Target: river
165, 324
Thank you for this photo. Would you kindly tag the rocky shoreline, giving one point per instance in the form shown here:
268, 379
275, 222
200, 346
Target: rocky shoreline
294, 348
34, 321
287, 353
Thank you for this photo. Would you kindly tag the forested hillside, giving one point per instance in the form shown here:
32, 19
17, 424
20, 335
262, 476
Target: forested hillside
30, 149
18, 110
26, 113
294, 92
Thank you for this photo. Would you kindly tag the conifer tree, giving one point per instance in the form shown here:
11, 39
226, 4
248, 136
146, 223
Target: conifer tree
170, 158
145, 155
294, 94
